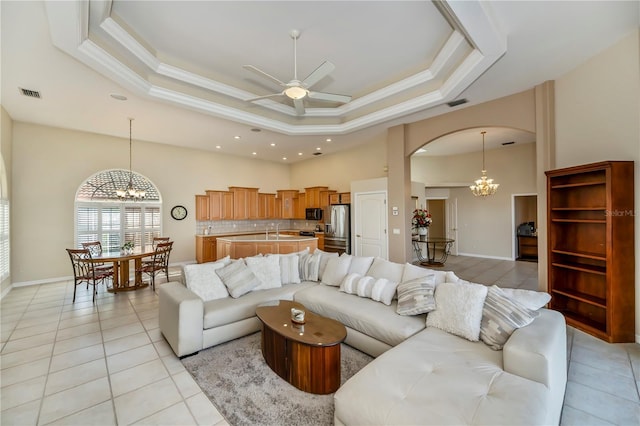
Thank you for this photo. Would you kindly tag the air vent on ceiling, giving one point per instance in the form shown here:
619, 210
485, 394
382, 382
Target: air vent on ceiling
30, 93
317, 153
457, 102
508, 143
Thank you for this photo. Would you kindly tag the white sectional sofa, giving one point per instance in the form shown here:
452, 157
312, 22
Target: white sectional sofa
423, 373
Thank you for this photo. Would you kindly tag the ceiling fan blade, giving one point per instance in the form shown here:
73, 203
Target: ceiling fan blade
299, 104
321, 96
265, 97
263, 74
318, 74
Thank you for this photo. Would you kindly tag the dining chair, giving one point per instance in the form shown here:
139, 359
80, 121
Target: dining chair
159, 262
157, 240
84, 271
95, 247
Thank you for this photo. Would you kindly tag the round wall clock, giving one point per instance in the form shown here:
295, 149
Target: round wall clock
179, 212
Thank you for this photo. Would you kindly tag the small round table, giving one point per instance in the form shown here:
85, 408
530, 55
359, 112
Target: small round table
432, 243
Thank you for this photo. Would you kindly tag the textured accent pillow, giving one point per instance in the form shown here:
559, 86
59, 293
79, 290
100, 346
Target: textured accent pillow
324, 259
382, 268
203, 281
416, 296
378, 289
238, 278
337, 268
289, 269
501, 316
529, 298
309, 266
267, 269
459, 309
360, 264
349, 284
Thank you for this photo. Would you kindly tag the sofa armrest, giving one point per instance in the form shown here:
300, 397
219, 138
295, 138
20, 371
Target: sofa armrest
539, 351
181, 318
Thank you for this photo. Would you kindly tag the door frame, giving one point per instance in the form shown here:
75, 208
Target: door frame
354, 215
454, 248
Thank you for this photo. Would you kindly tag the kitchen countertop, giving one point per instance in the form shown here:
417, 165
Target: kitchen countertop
263, 237
230, 234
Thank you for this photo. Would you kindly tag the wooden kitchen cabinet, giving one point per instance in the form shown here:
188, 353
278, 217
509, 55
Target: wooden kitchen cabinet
206, 248
591, 273
345, 198
325, 196
287, 197
202, 207
301, 206
313, 196
266, 206
320, 236
220, 205
245, 202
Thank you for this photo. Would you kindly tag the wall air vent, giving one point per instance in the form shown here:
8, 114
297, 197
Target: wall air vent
30, 93
317, 153
457, 102
508, 143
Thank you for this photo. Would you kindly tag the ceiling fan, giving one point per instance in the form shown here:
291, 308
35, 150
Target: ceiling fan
297, 90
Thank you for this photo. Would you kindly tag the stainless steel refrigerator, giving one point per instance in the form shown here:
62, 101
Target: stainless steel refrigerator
337, 229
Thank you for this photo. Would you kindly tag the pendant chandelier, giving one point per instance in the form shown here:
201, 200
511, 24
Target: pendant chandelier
484, 186
130, 192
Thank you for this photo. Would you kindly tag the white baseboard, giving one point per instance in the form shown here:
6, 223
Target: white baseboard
483, 256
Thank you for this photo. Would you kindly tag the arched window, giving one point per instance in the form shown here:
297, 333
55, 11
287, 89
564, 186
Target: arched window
101, 216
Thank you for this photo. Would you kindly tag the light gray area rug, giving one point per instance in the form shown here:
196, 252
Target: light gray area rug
246, 391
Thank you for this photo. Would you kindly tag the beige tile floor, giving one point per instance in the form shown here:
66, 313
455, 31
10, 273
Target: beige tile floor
107, 364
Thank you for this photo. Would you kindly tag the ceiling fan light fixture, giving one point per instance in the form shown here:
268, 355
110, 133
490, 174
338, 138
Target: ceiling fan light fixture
296, 92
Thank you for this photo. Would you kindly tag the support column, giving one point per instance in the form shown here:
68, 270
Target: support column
399, 196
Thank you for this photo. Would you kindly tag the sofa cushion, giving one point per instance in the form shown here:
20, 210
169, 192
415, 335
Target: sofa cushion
324, 260
412, 272
501, 316
416, 296
459, 309
289, 268
436, 378
529, 298
337, 268
203, 281
382, 268
373, 319
229, 310
238, 278
266, 269
360, 264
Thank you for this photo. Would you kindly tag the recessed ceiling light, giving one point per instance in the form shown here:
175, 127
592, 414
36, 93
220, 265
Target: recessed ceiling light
218, 147
284, 158
299, 153
272, 144
236, 137
318, 149
254, 153
118, 97
328, 139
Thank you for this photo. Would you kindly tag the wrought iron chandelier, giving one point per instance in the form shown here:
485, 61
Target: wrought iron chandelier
130, 192
484, 186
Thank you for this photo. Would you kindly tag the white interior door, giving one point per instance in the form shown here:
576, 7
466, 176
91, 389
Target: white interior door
371, 224
452, 223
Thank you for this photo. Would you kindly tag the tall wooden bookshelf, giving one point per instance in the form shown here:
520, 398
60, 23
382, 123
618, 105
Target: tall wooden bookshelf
591, 248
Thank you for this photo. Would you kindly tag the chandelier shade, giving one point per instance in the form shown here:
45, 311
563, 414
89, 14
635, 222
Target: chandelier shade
130, 193
484, 186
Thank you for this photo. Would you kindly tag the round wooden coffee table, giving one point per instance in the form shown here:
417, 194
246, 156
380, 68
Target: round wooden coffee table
305, 355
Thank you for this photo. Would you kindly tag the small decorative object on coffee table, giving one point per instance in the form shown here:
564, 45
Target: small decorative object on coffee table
307, 356
297, 316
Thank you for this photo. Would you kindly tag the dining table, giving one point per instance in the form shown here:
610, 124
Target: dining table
121, 263
442, 245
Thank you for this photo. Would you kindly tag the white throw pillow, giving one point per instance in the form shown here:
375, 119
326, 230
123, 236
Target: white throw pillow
349, 284
202, 280
529, 298
289, 269
459, 309
337, 268
382, 268
324, 259
378, 289
267, 269
411, 272
501, 316
238, 278
309, 265
416, 296
360, 264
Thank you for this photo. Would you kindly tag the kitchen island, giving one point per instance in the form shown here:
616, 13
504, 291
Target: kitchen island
250, 245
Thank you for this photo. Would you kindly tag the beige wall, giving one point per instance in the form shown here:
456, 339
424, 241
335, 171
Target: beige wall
337, 171
50, 163
6, 143
484, 224
598, 118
